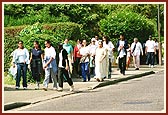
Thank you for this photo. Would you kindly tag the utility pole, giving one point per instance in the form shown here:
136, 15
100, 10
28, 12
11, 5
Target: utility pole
159, 45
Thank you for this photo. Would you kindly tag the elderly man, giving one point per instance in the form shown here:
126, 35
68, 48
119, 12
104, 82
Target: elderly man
136, 50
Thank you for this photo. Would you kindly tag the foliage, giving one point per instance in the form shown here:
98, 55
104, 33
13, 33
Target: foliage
87, 15
128, 23
10, 44
56, 33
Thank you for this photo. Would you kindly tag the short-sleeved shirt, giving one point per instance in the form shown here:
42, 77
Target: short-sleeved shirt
109, 47
36, 53
150, 44
49, 52
68, 48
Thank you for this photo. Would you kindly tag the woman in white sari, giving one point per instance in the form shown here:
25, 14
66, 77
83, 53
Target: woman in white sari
100, 62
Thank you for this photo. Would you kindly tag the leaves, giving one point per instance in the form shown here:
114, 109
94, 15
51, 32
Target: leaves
129, 23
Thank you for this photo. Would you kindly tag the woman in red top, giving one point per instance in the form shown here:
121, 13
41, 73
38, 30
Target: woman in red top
77, 58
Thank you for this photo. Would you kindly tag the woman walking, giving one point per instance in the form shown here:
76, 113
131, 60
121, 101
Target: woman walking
63, 69
49, 65
21, 59
36, 58
100, 62
108, 45
84, 61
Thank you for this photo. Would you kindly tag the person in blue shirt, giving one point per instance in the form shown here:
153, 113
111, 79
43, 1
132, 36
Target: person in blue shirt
68, 47
21, 59
36, 58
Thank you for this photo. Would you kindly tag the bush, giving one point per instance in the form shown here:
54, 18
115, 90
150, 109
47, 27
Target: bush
129, 23
10, 44
54, 32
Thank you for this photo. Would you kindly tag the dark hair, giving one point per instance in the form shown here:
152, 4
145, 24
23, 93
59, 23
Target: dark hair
37, 44
48, 41
107, 39
20, 41
60, 46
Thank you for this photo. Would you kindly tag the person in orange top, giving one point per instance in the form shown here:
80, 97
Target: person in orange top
77, 58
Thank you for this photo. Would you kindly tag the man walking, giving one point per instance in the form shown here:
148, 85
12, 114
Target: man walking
136, 50
122, 45
150, 51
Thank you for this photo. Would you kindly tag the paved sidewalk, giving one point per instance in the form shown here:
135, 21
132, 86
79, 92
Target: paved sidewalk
17, 98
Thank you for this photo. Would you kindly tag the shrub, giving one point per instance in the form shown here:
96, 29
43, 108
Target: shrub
54, 32
129, 23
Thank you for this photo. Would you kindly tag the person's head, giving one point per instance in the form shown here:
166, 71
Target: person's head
150, 37
100, 43
47, 43
20, 44
93, 40
122, 37
105, 39
96, 37
78, 41
60, 46
135, 40
36, 44
155, 40
84, 43
66, 41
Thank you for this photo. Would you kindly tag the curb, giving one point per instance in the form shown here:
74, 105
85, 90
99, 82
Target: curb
15, 105
122, 79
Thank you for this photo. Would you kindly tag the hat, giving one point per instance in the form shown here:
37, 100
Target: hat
93, 39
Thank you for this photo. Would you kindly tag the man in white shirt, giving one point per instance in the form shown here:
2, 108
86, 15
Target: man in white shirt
150, 51
136, 50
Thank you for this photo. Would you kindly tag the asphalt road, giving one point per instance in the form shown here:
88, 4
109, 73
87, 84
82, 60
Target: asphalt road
144, 94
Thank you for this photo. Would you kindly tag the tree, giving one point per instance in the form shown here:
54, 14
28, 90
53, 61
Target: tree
128, 23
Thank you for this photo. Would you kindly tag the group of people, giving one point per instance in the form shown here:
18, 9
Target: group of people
85, 59
38, 61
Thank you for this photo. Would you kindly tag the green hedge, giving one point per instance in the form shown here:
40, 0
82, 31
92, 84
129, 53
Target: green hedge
56, 33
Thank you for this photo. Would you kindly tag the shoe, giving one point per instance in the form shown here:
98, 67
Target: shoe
152, 66
101, 79
36, 88
149, 65
44, 88
17, 87
137, 69
24, 88
84, 80
55, 88
60, 89
89, 79
71, 88
98, 79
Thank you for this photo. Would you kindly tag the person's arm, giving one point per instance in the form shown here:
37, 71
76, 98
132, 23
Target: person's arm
104, 55
27, 56
141, 49
31, 57
48, 62
72, 52
42, 55
14, 58
53, 54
